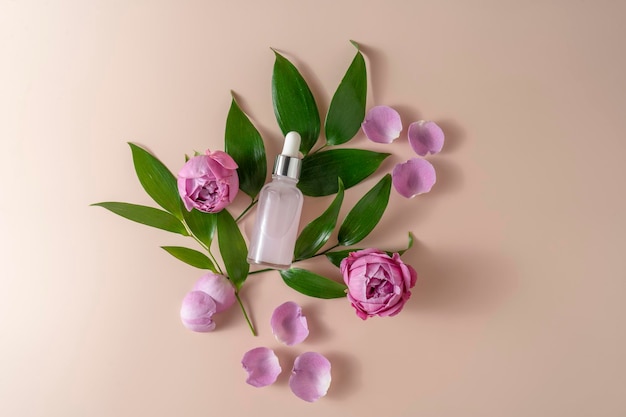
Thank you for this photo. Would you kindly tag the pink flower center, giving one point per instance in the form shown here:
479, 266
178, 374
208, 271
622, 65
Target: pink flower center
379, 285
209, 193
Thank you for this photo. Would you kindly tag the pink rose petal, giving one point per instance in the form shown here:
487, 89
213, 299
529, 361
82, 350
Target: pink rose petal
310, 377
219, 288
425, 137
197, 311
288, 324
223, 159
382, 124
415, 176
262, 366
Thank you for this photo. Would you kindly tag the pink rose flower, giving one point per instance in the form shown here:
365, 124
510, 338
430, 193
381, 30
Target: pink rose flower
208, 182
378, 284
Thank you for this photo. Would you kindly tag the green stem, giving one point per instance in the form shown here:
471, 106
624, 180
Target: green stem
215, 262
319, 149
205, 247
245, 314
261, 270
243, 213
318, 254
328, 250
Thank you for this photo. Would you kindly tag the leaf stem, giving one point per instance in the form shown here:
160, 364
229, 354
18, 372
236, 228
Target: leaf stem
318, 254
245, 314
215, 262
205, 247
328, 250
261, 270
243, 213
326, 145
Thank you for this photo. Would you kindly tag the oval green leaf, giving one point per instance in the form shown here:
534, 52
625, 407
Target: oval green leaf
149, 216
157, 180
321, 170
201, 224
317, 233
244, 143
233, 248
365, 214
347, 108
313, 285
294, 105
191, 257
336, 257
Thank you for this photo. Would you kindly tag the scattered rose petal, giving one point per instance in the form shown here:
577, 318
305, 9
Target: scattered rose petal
288, 324
197, 311
262, 366
413, 177
219, 288
425, 137
382, 124
310, 377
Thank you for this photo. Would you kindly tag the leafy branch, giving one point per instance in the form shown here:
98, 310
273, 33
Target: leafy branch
325, 171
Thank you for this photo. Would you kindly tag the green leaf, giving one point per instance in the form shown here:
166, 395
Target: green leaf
191, 257
157, 180
317, 233
149, 216
410, 245
365, 214
195, 153
233, 248
336, 257
294, 105
244, 143
201, 224
321, 170
311, 284
347, 108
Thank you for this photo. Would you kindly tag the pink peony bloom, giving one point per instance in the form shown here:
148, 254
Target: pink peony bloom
208, 182
197, 311
219, 288
378, 284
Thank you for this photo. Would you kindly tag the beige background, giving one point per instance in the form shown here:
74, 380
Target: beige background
519, 308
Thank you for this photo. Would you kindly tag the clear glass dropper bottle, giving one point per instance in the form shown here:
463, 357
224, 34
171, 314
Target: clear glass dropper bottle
278, 214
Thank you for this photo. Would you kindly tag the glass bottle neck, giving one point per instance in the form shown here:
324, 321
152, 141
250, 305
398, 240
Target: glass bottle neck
287, 166
284, 178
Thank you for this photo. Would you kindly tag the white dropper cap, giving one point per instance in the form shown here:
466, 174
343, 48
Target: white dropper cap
292, 145
288, 163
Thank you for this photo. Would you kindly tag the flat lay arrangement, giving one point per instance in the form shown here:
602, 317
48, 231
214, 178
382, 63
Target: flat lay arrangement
195, 202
